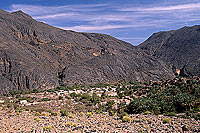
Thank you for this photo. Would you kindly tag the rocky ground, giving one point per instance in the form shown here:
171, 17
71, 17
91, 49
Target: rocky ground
27, 122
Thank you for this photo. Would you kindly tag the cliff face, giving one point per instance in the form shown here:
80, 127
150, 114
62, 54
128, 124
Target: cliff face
36, 55
179, 48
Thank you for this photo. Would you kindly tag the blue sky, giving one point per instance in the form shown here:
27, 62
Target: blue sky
129, 20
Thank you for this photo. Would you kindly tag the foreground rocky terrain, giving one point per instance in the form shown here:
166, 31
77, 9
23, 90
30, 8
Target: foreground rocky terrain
28, 122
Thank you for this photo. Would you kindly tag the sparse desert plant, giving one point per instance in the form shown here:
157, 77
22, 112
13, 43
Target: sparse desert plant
60, 98
26, 109
45, 99
5, 108
37, 113
17, 113
68, 124
74, 124
111, 113
104, 113
88, 114
54, 113
64, 112
166, 120
81, 114
70, 116
47, 128
171, 114
126, 119
43, 114
147, 112
36, 119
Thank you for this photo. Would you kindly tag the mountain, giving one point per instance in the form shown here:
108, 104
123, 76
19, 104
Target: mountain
34, 55
178, 48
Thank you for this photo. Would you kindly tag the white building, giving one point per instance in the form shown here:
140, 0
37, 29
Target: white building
1, 101
23, 102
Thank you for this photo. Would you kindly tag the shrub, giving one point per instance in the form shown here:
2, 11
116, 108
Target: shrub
70, 116
17, 113
26, 109
122, 114
68, 124
104, 113
54, 113
60, 98
37, 119
64, 112
74, 124
126, 119
89, 114
147, 112
171, 114
37, 113
166, 120
5, 109
47, 128
111, 113
81, 114
43, 114
45, 99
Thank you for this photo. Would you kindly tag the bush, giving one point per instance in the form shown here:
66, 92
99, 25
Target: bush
45, 99
111, 113
89, 114
68, 124
147, 112
47, 128
81, 114
54, 113
64, 112
122, 114
37, 113
126, 119
166, 120
171, 114
37, 119
4, 109
44, 114
70, 116
60, 98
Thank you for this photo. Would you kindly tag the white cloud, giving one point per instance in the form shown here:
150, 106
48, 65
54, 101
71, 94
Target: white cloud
105, 17
192, 6
83, 28
54, 16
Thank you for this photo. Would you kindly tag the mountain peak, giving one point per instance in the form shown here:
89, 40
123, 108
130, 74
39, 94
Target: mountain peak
21, 13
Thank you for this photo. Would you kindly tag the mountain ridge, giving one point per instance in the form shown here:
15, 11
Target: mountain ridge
35, 55
178, 48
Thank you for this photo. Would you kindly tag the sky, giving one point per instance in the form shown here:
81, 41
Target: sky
130, 20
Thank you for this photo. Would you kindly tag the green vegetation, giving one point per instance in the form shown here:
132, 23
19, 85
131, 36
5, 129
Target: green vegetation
63, 112
47, 128
37, 119
166, 120
177, 96
126, 119
88, 114
111, 113
60, 98
45, 99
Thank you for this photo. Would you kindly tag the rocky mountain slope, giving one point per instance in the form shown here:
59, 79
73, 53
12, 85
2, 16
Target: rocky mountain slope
179, 48
35, 55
